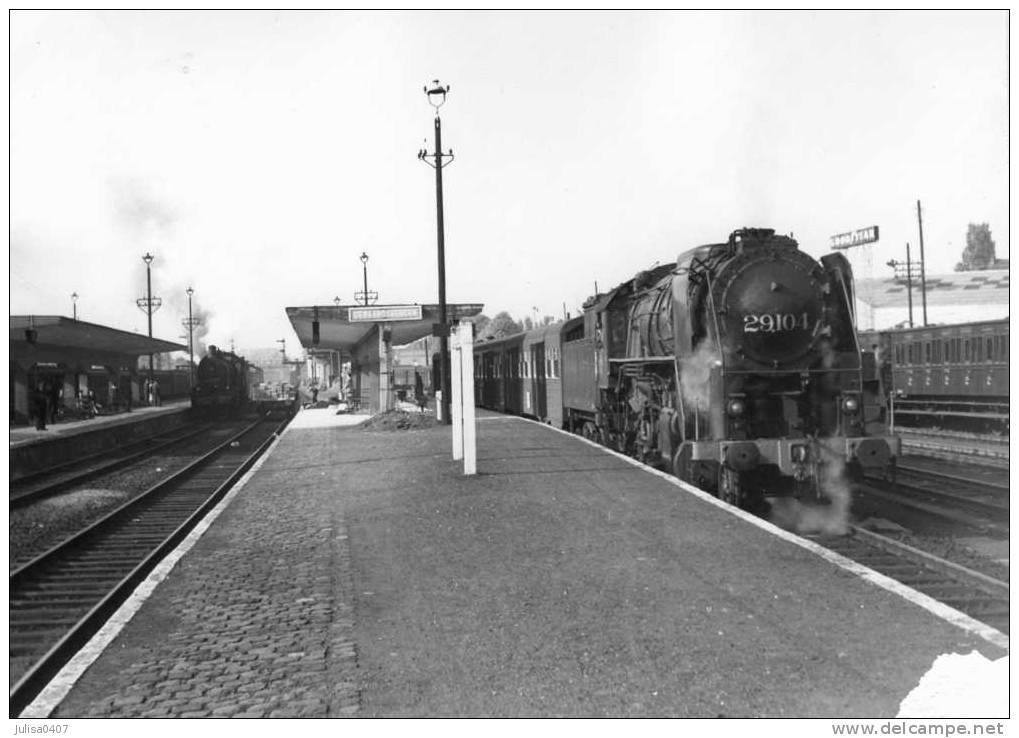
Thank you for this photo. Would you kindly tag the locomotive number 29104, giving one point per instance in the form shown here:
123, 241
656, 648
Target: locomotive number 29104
774, 322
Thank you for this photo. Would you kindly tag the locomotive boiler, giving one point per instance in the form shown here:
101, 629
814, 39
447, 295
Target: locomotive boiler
221, 384
737, 367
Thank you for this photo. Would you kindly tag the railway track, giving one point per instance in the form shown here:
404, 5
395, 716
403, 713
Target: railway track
979, 596
61, 598
987, 450
32, 488
975, 502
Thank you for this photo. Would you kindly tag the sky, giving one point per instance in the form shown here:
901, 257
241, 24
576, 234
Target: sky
257, 154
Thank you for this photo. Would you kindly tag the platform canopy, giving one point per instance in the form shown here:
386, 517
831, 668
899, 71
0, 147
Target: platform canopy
61, 332
344, 327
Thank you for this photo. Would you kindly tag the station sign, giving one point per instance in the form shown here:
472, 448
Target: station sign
383, 313
859, 237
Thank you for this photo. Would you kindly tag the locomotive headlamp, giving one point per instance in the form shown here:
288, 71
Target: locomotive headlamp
799, 452
850, 404
736, 407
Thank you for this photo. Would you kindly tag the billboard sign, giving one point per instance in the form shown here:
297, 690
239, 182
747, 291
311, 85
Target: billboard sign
842, 241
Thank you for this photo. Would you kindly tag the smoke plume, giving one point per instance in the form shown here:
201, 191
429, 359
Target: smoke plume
811, 516
695, 373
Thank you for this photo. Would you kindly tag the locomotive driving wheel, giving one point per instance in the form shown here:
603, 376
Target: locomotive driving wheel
730, 486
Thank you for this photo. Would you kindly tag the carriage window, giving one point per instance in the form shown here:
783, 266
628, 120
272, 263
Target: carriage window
927, 352
965, 350
990, 353
946, 348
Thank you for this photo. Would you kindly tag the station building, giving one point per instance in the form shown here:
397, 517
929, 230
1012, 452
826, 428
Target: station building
73, 356
366, 337
958, 297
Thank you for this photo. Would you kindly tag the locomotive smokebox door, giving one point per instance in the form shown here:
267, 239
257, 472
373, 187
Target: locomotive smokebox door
773, 306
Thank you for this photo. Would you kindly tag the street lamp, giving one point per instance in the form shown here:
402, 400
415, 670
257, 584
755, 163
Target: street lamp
337, 300
148, 303
191, 322
74, 304
366, 294
436, 98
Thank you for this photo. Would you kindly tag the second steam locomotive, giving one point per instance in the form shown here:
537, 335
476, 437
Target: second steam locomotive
221, 385
737, 367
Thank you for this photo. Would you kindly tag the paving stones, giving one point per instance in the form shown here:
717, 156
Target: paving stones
256, 621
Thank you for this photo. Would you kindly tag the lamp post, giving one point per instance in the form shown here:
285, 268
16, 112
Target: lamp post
365, 295
191, 323
149, 303
74, 305
337, 301
436, 98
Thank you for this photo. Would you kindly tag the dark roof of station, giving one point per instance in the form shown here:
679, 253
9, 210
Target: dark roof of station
336, 331
989, 286
56, 330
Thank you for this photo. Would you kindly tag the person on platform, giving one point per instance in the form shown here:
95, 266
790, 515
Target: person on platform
40, 405
155, 393
419, 391
56, 391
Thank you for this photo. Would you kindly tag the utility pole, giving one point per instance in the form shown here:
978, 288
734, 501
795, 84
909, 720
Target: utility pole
909, 265
74, 304
436, 98
923, 265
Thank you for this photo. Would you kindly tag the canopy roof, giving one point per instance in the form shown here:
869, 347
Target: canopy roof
57, 330
338, 331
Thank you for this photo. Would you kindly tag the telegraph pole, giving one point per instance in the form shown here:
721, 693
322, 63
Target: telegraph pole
436, 98
923, 265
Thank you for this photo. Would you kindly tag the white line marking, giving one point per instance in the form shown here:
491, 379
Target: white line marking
939, 609
53, 693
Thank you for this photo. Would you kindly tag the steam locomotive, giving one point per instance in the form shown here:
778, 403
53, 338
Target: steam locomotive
737, 367
221, 384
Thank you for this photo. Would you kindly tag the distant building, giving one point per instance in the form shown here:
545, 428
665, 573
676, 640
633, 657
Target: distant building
958, 297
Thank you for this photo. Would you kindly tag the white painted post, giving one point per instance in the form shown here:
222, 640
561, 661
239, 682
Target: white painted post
456, 395
470, 435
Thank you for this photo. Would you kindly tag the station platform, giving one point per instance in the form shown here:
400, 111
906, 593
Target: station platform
359, 573
33, 450
27, 435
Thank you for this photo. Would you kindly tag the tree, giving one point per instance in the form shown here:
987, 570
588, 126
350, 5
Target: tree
979, 252
500, 326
